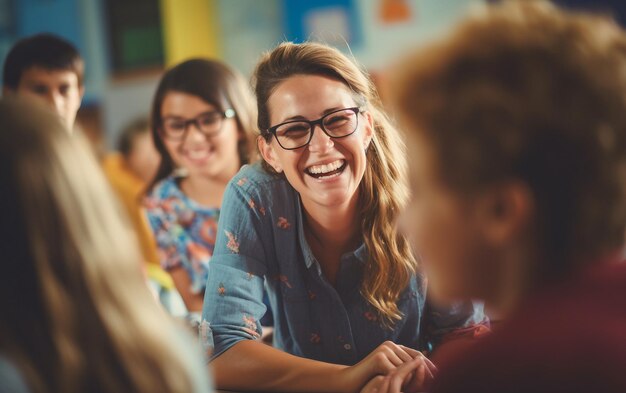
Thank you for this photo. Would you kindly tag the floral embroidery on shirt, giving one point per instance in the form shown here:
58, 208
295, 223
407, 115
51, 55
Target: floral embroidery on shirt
282, 278
315, 338
242, 181
233, 244
283, 223
250, 326
370, 316
253, 206
221, 290
312, 295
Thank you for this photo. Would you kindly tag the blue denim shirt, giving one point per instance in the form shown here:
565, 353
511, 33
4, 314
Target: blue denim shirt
261, 242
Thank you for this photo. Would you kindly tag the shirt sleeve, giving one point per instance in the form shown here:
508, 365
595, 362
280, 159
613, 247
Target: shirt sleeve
460, 319
233, 300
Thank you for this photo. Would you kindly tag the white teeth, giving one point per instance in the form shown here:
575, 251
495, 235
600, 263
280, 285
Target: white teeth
197, 154
326, 168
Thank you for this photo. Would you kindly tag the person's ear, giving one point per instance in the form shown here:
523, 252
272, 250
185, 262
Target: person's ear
368, 129
268, 153
507, 211
241, 135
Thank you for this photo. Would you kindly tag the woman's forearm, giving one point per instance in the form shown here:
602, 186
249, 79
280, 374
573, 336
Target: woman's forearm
251, 365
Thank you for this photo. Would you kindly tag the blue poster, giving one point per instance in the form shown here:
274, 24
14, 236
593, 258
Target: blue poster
334, 22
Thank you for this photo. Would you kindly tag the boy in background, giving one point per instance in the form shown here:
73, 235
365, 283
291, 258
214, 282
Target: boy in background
49, 69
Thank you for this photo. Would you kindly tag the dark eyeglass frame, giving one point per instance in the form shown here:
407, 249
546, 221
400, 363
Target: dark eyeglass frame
313, 123
227, 114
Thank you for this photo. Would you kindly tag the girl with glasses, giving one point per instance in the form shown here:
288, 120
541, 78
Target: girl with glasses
315, 225
202, 121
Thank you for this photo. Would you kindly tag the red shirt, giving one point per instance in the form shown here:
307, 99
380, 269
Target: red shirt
570, 337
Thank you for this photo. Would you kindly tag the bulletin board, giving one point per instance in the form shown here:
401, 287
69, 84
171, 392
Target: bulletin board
135, 34
335, 22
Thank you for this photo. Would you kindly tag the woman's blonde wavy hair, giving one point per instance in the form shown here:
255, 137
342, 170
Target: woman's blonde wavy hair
383, 190
77, 314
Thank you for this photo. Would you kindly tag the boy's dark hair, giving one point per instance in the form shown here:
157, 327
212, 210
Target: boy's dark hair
44, 50
126, 138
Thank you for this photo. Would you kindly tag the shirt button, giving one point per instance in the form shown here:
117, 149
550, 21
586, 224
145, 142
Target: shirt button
347, 347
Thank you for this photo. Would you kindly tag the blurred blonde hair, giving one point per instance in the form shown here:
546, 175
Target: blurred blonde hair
76, 312
383, 190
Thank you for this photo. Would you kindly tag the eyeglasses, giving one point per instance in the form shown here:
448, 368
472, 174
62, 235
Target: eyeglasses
295, 134
209, 123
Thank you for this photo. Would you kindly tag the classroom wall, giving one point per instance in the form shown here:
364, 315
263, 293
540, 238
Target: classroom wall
237, 31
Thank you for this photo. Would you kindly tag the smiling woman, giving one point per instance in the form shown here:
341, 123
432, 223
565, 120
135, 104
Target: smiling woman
202, 121
315, 224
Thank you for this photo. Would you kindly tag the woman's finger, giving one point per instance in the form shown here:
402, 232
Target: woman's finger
412, 352
431, 366
402, 353
422, 378
405, 375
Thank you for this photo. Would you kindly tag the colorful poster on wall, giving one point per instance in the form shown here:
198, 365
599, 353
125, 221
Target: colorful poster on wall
395, 11
335, 22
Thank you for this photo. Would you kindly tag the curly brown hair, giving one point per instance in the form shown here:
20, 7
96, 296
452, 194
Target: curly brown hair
530, 92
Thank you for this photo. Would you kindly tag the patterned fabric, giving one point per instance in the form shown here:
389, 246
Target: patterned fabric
261, 243
184, 230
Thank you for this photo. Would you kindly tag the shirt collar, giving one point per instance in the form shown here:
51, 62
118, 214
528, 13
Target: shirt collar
309, 259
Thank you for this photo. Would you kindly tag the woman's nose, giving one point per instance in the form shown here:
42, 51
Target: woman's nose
320, 142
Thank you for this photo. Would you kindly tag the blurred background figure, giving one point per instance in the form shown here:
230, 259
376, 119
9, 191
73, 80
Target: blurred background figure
202, 126
129, 171
49, 69
137, 150
517, 126
76, 313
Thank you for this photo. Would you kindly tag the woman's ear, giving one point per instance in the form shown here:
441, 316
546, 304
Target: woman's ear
368, 133
268, 153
